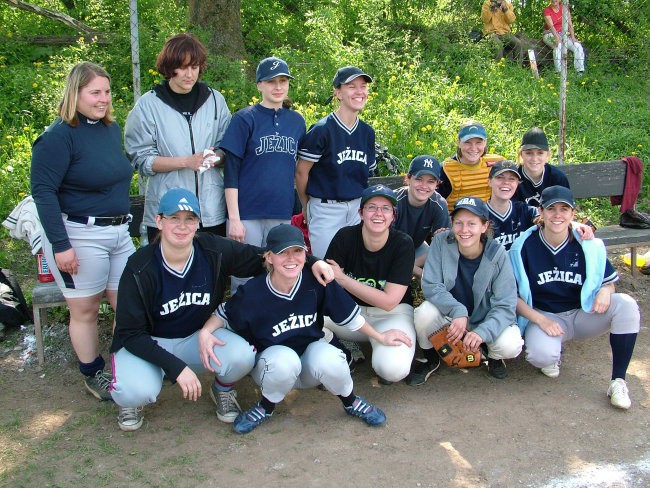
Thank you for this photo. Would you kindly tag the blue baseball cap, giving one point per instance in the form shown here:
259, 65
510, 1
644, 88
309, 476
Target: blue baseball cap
271, 68
177, 200
474, 205
555, 194
283, 237
378, 191
471, 131
347, 74
425, 165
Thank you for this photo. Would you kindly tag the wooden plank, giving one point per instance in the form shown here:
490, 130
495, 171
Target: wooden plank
597, 179
615, 236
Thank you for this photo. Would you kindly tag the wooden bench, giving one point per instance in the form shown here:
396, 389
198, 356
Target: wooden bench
588, 180
46, 295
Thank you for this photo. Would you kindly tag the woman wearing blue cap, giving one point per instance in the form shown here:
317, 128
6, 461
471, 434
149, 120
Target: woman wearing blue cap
168, 291
566, 291
421, 211
373, 262
334, 161
468, 285
261, 144
466, 172
282, 314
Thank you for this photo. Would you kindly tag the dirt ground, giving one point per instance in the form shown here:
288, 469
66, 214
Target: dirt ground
461, 429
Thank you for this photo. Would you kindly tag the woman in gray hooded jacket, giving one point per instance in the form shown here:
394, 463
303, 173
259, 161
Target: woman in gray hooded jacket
469, 285
171, 133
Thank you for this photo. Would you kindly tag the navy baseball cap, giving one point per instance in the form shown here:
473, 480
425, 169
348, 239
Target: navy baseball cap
555, 194
271, 68
177, 200
501, 167
474, 205
378, 191
283, 237
471, 131
534, 139
348, 74
425, 165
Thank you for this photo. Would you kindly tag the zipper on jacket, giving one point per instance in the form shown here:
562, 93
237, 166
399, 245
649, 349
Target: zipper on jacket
196, 173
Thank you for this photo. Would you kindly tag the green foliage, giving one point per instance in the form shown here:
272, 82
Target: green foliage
428, 76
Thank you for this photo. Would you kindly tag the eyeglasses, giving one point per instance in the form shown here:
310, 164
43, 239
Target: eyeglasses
191, 221
385, 209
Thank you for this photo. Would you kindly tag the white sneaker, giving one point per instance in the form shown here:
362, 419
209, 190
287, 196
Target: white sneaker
130, 418
552, 370
619, 394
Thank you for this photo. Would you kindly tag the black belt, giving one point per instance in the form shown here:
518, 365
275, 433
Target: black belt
101, 221
330, 200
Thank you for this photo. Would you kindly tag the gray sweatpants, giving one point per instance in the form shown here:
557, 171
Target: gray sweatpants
325, 220
279, 370
137, 382
622, 317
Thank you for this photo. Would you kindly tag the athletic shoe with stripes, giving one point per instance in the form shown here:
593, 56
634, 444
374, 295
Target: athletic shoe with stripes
248, 420
367, 412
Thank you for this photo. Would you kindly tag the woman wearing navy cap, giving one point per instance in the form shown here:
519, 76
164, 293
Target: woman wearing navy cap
421, 211
281, 314
466, 172
334, 161
168, 291
261, 144
566, 291
373, 262
469, 285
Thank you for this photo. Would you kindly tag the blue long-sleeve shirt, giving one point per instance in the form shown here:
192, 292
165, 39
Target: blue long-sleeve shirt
80, 171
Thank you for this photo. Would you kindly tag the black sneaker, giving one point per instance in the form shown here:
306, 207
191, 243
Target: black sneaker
497, 368
420, 372
99, 385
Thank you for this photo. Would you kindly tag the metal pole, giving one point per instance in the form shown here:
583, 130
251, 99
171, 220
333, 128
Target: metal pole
563, 72
135, 49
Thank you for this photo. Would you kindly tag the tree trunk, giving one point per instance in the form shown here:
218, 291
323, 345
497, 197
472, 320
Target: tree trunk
223, 19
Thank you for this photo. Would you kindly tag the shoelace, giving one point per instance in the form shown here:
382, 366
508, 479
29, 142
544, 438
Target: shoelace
227, 400
103, 380
129, 413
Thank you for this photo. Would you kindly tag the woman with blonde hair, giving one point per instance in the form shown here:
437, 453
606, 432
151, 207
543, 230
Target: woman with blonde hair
80, 182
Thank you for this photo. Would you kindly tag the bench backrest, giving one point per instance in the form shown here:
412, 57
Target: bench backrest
587, 180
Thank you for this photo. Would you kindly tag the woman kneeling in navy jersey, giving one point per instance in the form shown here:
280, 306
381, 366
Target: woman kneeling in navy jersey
281, 314
566, 291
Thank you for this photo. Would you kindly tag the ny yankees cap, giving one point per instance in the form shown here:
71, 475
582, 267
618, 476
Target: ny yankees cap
501, 167
378, 191
271, 68
534, 139
471, 131
348, 74
555, 194
283, 237
474, 205
177, 200
425, 165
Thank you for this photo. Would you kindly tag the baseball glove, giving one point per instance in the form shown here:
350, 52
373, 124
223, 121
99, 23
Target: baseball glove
454, 355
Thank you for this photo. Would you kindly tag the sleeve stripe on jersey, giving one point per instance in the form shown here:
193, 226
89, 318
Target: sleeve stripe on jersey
309, 156
612, 278
353, 315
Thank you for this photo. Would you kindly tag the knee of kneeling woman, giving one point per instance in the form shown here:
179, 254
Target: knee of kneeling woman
626, 315
134, 396
285, 366
539, 357
392, 372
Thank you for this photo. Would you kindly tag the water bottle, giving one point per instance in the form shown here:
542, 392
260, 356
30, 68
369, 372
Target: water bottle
44, 273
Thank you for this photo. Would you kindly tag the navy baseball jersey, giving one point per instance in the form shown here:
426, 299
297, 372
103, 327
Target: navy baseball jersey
530, 192
421, 222
342, 157
509, 226
391, 264
556, 274
264, 143
266, 317
181, 295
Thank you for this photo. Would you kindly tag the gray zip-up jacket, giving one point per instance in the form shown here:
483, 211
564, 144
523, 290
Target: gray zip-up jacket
494, 288
156, 128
